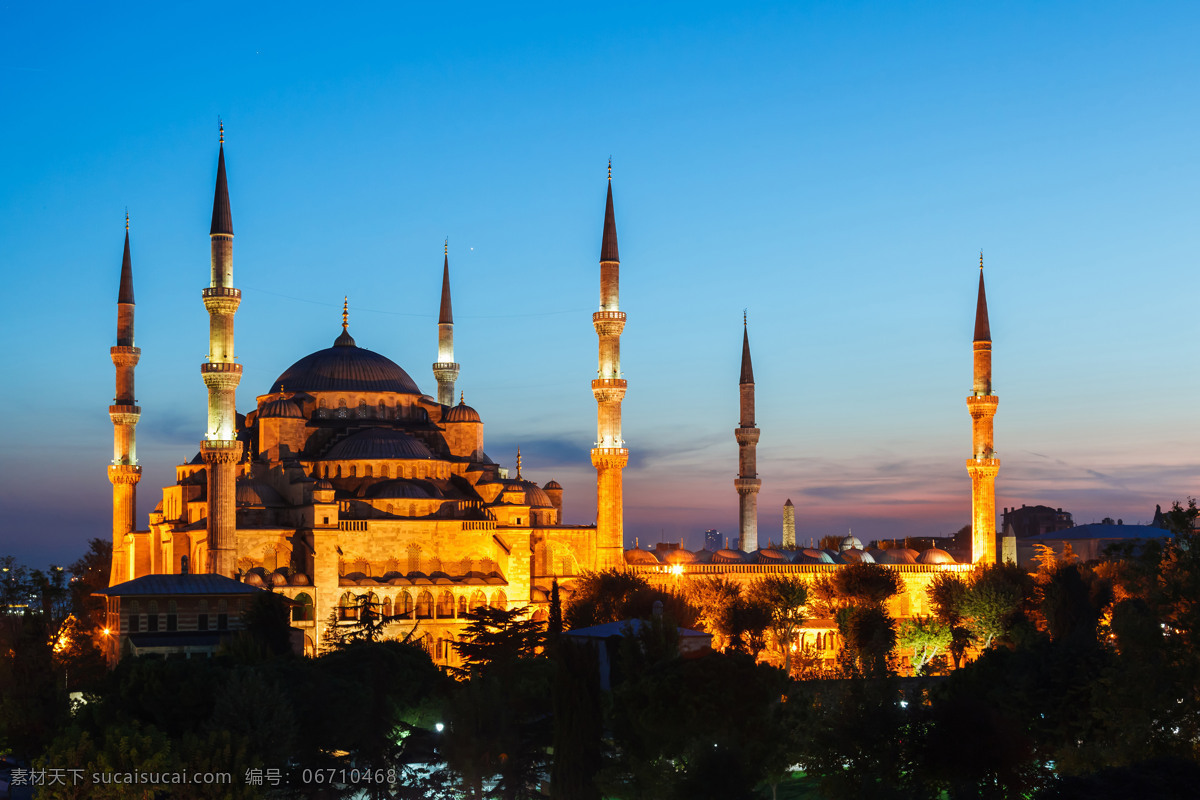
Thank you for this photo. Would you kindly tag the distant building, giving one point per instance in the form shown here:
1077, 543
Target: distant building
1088, 542
713, 540
1029, 521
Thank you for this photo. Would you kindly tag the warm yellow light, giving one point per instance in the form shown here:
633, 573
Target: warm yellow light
106, 631
677, 569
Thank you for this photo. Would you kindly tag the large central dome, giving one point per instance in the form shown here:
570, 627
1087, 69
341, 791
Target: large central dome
345, 367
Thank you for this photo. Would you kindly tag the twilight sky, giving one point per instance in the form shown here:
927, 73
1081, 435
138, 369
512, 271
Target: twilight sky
834, 168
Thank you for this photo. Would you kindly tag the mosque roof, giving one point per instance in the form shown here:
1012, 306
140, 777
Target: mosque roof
280, 407
204, 583
375, 443
935, 555
461, 413
402, 489
345, 367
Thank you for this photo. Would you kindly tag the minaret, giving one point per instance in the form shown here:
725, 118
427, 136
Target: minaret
221, 449
124, 472
609, 456
789, 524
445, 370
747, 482
983, 465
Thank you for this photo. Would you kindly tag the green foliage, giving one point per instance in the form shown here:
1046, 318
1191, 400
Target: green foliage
267, 621
554, 620
925, 637
995, 601
867, 584
870, 636
578, 722
614, 595
711, 596
497, 637
786, 598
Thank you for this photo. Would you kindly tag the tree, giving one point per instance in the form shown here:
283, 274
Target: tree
946, 595
786, 598
994, 602
554, 621
869, 635
925, 637
711, 596
267, 620
496, 637
578, 722
614, 595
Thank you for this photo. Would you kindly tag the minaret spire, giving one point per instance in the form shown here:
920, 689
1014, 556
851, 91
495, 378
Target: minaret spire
124, 472
747, 482
220, 448
445, 370
610, 455
982, 466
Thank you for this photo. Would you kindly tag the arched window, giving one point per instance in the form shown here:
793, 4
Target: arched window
383, 470
362, 408
404, 605
424, 605
462, 604
478, 600
353, 471
386, 610
172, 615
303, 610
202, 616
367, 471
135, 616
499, 599
382, 410
341, 412
445, 606
347, 608
222, 614
310, 649
152, 617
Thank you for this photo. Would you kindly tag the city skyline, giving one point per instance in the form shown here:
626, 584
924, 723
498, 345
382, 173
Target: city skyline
833, 171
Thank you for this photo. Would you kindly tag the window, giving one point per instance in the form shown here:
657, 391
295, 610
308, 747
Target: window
424, 605
386, 610
462, 604
222, 622
478, 600
347, 608
202, 621
303, 610
404, 605
152, 617
499, 599
445, 606
135, 622
172, 616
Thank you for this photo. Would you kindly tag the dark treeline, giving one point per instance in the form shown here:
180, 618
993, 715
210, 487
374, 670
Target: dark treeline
1077, 681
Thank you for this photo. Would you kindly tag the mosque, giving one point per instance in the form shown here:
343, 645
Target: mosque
346, 480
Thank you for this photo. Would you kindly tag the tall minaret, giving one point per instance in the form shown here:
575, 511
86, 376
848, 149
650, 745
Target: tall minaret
444, 369
609, 456
221, 449
124, 472
747, 482
789, 524
982, 466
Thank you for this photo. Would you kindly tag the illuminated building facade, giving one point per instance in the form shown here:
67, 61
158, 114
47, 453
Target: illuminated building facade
345, 480
983, 465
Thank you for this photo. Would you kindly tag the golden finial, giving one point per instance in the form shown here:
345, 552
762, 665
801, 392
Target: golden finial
127, 219
346, 312
518, 462
744, 318
610, 168
981, 260
462, 397
447, 250
221, 128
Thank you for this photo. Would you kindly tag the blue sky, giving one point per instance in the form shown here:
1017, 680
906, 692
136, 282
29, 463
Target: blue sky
834, 168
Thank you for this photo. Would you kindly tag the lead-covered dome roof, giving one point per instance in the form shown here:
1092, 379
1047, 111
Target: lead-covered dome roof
377, 443
345, 367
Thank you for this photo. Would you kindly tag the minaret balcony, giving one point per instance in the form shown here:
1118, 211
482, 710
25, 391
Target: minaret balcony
221, 291
222, 299
610, 457
747, 485
981, 406
124, 356
609, 390
609, 323
124, 414
124, 473
224, 451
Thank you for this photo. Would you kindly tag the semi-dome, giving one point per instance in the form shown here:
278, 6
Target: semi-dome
769, 556
813, 556
377, 443
402, 489
345, 367
679, 556
896, 556
279, 408
729, 557
853, 555
254, 493
461, 413
552, 484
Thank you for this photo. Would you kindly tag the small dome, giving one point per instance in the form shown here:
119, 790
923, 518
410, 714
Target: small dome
679, 556
377, 443
854, 555
639, 556
280, 408
461, 413
253, 493
910, 551
851, 541
769, 556
813, 557
323, 485
729, 557
704, 556
552, 485
935, 556
896, 556
252, 579
299, 579
278, 579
